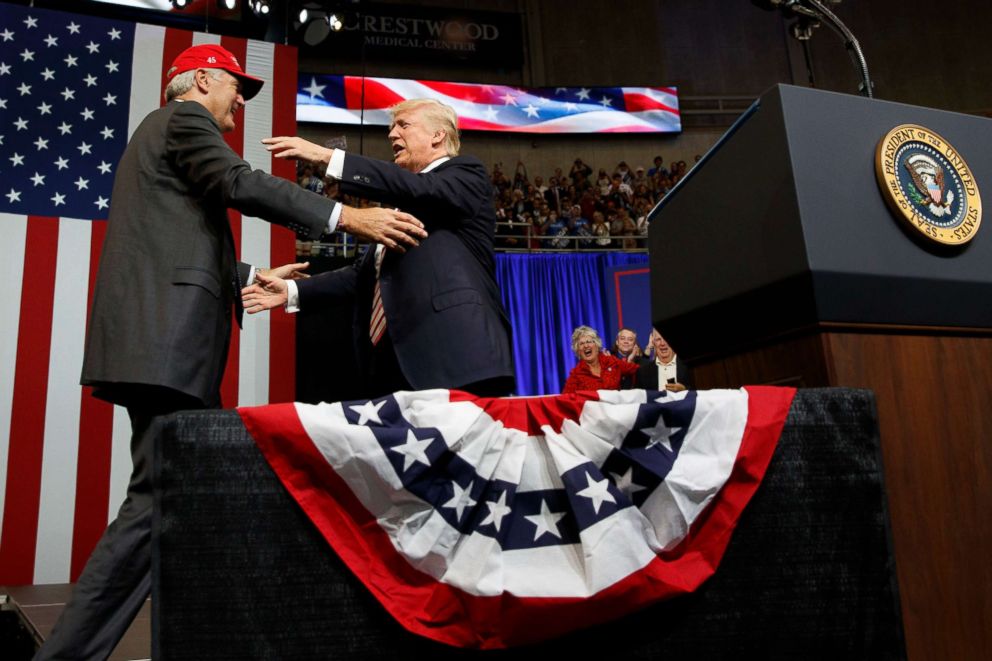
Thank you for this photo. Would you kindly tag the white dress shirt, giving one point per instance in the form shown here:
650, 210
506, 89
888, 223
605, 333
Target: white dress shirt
666, 371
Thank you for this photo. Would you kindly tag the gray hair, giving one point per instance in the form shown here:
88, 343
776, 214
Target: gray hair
438, 116
183, 82
583, 331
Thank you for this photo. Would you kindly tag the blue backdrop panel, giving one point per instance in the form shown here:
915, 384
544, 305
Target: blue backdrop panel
628, 301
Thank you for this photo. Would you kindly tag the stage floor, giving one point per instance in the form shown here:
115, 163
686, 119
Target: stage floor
40, 605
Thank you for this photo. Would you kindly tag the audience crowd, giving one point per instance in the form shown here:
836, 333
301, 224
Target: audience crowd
583, 209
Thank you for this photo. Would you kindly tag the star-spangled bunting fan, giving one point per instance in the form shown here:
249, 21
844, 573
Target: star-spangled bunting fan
487, 523
338, 100
72, 90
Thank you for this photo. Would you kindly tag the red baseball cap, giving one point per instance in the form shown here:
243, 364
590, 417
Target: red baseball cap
212, 56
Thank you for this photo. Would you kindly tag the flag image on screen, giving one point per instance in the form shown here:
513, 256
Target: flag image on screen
340, 100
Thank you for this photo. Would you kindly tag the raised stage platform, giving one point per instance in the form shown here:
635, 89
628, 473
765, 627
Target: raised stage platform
29, 612
808, 574
241, 573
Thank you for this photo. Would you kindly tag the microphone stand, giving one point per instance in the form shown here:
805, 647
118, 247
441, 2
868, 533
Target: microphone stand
853, 47
811, 13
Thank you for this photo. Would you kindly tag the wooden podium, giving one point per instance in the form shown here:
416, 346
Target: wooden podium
777, 261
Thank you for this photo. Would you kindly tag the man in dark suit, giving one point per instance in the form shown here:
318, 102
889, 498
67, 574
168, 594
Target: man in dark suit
665, 372
161, 318
441, 323
626, 348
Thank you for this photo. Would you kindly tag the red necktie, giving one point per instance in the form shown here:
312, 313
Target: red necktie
377, 325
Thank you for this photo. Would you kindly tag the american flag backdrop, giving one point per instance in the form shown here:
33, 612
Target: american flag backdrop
72, 90
339, 100
488, 523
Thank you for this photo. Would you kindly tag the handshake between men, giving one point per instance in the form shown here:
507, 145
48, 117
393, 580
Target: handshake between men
426, 309
160, 322
390, 228
393, 229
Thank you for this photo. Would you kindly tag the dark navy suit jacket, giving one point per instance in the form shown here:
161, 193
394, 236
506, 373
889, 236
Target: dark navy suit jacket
443, 311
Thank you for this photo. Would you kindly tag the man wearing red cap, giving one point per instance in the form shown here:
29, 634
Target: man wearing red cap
161, 318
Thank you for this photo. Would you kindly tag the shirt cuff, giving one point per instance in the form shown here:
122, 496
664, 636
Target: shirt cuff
292, 296
335, 169
251, 276
332, 222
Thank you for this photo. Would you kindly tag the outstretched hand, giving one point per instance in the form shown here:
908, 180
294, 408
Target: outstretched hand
298, 149
286, 271
392, 228
268, 292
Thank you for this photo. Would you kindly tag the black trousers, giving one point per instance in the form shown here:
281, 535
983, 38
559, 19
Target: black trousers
117, 578
386, 377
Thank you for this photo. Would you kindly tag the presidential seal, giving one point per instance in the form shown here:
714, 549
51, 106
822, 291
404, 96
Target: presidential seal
928, 185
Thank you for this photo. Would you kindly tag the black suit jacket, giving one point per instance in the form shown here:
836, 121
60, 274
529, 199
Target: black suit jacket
647, 376
168, 276
442, 304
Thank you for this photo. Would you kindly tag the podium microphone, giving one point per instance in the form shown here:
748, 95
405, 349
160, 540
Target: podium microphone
818, 11
786, 7
772, 5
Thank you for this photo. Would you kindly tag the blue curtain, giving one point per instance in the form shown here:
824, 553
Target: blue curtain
547, 296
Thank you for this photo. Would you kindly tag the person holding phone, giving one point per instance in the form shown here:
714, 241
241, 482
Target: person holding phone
665, 372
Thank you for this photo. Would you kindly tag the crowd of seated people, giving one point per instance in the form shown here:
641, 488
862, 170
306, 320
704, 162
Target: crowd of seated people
580, 210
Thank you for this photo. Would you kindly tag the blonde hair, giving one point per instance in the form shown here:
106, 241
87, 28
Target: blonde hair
581, 332
438, 116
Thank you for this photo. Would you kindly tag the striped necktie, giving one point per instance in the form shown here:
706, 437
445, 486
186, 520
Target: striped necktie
377, 324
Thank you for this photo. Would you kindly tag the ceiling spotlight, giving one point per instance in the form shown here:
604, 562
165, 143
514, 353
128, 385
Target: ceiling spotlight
304, 15
227, 4
260, 7
180, 4
334, 22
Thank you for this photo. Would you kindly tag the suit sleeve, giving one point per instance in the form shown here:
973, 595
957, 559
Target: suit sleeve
202, 158
329, 287
244, 270
459, 188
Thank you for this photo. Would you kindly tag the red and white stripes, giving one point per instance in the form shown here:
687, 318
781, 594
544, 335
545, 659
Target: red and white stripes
64, 457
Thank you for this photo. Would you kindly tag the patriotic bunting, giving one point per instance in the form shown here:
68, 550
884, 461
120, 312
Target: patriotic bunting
487, 523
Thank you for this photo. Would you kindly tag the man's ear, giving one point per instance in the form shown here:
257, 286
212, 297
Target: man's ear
201, 79
438, 137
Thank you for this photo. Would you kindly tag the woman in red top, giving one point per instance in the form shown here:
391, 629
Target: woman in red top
596, 370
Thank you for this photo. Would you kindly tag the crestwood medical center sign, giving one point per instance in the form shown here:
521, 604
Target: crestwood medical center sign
422, 33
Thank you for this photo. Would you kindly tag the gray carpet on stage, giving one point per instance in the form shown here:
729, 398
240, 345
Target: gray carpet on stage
240, 573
